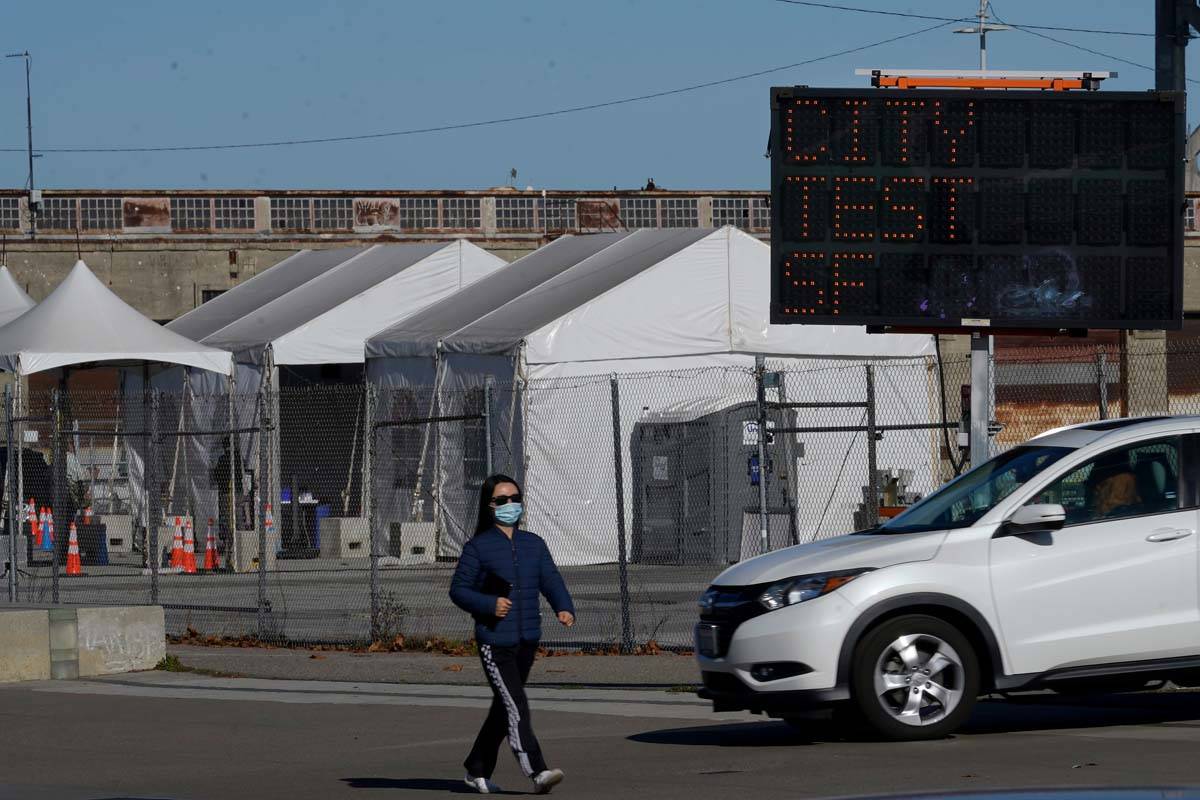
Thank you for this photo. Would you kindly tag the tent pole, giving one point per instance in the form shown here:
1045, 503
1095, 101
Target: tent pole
112, 470
417, 502
353, 455
175, 456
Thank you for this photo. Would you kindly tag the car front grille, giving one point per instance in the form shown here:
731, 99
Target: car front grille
732, 605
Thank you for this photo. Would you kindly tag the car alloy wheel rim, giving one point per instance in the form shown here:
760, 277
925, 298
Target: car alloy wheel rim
919, 679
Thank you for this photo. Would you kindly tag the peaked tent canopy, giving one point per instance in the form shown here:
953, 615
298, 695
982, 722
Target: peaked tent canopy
327, 319
666, 294
13, 300
420, 333
83, 321
249, 296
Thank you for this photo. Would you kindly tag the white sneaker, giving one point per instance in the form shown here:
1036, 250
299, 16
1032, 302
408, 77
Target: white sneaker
482, 785
546, 780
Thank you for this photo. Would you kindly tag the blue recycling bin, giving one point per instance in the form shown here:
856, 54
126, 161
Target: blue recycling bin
322, 512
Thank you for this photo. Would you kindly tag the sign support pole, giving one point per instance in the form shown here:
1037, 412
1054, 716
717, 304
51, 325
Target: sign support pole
981, 397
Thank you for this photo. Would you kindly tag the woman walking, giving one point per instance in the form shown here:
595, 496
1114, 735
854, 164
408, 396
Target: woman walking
500, 574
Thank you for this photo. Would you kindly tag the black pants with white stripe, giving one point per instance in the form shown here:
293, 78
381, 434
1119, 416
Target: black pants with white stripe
507, 669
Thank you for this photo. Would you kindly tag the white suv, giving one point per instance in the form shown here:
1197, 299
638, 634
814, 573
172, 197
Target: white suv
1068, 562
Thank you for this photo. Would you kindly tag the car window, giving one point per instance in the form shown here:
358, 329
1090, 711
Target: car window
962, 502
1126, 482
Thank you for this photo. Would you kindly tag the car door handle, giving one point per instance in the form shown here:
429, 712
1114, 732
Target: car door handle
1169, 534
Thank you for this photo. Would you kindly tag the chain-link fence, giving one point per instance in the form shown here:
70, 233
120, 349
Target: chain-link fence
644, 485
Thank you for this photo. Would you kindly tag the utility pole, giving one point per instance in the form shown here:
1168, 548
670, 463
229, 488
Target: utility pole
981, 344
1173, 21
29, 139
982, 29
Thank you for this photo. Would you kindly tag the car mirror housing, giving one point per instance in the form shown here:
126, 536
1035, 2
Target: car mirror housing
1035, 518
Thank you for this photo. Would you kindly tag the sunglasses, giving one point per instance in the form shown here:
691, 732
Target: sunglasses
505, 499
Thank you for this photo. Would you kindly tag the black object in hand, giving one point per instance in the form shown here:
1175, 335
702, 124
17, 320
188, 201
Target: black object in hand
495, 585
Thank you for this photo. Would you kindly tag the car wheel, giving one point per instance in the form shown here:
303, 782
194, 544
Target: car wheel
914, 677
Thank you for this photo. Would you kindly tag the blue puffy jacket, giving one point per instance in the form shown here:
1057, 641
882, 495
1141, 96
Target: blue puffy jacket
524, 562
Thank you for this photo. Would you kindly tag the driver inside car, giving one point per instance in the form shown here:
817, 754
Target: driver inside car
1112, 492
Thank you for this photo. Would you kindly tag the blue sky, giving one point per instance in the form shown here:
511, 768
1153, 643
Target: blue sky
169, 73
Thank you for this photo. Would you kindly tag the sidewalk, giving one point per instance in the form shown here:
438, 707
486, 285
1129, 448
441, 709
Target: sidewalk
661, 671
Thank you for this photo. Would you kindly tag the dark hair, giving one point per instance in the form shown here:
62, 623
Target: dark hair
486, 520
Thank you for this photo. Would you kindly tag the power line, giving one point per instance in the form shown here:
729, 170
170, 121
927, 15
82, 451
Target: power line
483, 123
1065, 43
837, 7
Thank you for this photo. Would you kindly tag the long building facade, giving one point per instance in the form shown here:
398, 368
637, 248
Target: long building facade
165, 252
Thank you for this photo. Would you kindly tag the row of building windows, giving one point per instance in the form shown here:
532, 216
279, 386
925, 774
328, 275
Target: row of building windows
327, 214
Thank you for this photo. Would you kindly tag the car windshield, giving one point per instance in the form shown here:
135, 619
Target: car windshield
962, 502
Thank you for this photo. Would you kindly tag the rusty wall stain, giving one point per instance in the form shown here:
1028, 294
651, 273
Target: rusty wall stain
147, 212
598, 214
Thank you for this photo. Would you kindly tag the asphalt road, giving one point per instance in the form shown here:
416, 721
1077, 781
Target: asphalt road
163, 735
327, 600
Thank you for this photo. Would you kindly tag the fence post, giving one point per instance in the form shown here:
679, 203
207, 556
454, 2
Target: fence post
619, 477
150, 479
487, 425
764, 521
1102, 382
57, 508
14, 519
236, 475
264, 498
372, 513
872, 452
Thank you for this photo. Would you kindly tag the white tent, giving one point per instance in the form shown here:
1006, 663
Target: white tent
311, 311
84, 322
327, 319
653, 300
252, 294
13, 300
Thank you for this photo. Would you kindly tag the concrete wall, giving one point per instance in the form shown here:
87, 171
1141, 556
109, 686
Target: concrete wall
24, 645
166, 279
66, 642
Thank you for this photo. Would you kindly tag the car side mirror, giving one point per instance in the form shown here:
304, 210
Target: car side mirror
1036, 518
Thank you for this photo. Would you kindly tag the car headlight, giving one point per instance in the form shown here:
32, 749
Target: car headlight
791, 591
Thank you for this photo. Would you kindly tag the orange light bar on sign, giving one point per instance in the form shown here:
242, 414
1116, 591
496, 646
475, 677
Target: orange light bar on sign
907, 82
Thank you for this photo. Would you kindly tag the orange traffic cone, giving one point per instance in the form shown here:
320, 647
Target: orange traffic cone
87, 516
212, 559
48, 532
74, 564
177, 546
189, 549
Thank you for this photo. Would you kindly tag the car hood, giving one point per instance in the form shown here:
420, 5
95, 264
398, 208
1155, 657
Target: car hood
853, 551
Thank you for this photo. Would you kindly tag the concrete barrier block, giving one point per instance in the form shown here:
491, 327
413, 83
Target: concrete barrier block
119, 528
120, 639
24, 651
345, 537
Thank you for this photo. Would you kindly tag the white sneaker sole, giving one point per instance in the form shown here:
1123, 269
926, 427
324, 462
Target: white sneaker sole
552, 780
